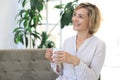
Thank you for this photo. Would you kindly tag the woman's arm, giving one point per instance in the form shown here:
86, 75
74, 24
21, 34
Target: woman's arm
92, 72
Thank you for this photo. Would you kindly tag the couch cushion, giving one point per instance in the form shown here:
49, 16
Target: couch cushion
25, 64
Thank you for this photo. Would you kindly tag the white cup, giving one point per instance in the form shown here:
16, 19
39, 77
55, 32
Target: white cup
58, 64
54, 50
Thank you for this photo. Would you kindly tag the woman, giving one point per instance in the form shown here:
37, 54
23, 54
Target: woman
84, 53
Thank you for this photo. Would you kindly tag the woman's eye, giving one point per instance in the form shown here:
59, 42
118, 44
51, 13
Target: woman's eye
78, 15
81, 17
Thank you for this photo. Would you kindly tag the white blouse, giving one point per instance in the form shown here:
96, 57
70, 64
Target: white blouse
91, 54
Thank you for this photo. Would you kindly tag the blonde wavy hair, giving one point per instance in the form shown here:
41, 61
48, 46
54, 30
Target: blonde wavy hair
93, 15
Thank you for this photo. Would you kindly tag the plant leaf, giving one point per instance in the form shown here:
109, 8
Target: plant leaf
39, 5
23, 3
60, 6
18, 29
26, 41
36, 35
50, 44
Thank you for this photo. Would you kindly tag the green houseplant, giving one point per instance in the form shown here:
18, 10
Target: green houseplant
29, 18
66, 13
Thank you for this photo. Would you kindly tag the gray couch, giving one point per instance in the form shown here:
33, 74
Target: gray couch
25, 64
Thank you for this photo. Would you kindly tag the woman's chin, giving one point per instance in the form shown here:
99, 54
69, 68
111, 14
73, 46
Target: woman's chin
75, 28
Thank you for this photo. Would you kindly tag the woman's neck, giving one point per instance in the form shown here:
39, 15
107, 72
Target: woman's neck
80, 38
83, 36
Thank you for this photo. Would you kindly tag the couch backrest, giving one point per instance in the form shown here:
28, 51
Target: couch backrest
25, 64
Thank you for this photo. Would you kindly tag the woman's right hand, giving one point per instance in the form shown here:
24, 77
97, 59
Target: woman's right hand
48, 54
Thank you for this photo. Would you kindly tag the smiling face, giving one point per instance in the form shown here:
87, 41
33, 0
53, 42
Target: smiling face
80, 20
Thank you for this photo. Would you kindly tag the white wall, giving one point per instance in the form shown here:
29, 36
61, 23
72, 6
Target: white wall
8, 10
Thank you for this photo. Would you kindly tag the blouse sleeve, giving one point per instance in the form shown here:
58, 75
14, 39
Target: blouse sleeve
92, 72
